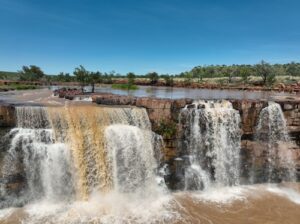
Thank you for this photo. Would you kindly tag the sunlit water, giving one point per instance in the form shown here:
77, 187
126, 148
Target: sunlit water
178, 93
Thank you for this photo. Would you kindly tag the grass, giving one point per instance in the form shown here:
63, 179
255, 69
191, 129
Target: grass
9, 75
124, 86
17, 87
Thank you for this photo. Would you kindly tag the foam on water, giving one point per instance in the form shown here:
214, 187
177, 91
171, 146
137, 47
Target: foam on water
288, 193
100, 208
223, 195
4, 213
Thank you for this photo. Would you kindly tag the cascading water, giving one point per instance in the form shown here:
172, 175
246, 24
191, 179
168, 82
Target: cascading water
46, 165
69, 154
212, 140
130, 150
271, 133
89, 164
87, 140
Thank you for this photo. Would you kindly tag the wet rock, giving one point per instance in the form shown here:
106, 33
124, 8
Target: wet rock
7, 116
191, 106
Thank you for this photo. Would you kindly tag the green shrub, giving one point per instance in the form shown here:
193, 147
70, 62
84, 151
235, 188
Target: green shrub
167, 129
124, 86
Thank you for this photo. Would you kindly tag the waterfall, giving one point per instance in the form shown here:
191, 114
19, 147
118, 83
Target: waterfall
211, 138
83, 127
45, 164
66, 153
130, 150
272, 134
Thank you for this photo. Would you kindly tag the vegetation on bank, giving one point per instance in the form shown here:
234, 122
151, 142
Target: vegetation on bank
124, 86
263, 74
14, 76
17, 87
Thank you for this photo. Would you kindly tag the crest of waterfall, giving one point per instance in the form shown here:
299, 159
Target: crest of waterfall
45, 165
271, 132
212, 141
32, 117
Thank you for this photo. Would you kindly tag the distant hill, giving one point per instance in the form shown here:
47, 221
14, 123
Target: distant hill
9, 75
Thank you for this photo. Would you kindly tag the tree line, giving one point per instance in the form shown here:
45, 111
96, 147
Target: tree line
266, 71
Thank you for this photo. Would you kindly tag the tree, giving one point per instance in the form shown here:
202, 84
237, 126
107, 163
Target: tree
229, 72
61, 77
130, 79
68, 78
153, 76
244, 73
169, 81
293, 69
93, 78
108, 77
198, 73
271, 79
82, 76
210, 71
265, 70
188, 78
31, 73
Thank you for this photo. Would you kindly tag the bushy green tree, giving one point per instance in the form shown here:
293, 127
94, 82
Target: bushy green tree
188, 78
31, 73
130, 79
245, 74
293, 69
265, 70
198, 73
63, 77
107, 78
82, 76
93, 78
169, 80
153, 76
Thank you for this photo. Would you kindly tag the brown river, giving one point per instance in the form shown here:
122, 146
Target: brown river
254, 204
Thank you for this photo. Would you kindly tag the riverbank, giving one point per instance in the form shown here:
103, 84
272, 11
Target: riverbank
5, 88
283, 84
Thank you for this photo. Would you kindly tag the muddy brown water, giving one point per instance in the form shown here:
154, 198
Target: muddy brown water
256, 204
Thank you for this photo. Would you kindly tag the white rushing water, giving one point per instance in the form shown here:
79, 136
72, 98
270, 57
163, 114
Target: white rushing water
46, 165
51, 179
212, 139
272, 131
131, 153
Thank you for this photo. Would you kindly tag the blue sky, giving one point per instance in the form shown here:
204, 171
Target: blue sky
168, 36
